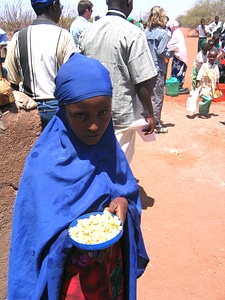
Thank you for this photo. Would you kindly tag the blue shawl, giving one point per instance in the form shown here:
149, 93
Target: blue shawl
63, 179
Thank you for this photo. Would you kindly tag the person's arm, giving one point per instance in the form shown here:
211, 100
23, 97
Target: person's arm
13, 74
199, 76
143, 91
221, 54
197, 29
162, 47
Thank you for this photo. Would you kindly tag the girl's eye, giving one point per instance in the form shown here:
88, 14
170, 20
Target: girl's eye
103, 113
80, 115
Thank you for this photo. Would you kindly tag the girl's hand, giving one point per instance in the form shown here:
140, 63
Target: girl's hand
119, 207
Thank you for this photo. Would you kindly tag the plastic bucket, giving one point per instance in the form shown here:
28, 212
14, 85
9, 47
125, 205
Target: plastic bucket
172, 86
222, 98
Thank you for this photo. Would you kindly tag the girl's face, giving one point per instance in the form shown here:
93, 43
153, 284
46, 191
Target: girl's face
89, 118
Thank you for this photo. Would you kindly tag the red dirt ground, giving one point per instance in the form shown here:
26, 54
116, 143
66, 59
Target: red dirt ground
182, 182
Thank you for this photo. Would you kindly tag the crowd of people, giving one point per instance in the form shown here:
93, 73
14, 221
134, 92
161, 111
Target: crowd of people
91, 84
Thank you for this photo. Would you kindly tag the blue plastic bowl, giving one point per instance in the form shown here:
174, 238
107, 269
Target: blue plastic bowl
99, 246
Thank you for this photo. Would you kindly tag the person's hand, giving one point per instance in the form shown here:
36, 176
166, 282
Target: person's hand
149, 129
166, 60
119, 207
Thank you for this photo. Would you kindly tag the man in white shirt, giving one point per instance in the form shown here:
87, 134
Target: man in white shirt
81, 23
35, 54
203, 31
215, 25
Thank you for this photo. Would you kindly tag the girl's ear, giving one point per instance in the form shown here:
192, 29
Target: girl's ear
54, 5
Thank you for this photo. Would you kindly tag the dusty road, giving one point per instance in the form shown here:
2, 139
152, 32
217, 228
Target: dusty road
182, 181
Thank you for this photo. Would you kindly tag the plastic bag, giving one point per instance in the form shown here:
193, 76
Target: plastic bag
192, 100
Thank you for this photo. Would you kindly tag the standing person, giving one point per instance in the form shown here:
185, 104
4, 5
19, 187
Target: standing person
211, 44
76, 167
208, 81
157, 39
36, 52
123, 49
200, 59
215, 25
216, 41
3, 44
81, 23
203, 32
178, 46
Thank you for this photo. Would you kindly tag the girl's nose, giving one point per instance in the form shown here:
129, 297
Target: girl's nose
93, 126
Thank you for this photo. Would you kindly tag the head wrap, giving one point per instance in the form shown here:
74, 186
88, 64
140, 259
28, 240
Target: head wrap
172, 24
40, 3
81, 78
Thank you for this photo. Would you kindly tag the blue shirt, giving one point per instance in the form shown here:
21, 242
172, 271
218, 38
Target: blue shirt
157, 40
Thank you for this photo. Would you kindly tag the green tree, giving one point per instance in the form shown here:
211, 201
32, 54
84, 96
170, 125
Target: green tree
206, 9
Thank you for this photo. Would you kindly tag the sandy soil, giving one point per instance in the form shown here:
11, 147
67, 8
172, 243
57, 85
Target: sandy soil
182, 182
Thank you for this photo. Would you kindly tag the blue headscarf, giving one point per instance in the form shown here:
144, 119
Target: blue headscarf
72, 85
63, 178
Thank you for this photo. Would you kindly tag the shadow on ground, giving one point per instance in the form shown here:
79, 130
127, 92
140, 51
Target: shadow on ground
146, 201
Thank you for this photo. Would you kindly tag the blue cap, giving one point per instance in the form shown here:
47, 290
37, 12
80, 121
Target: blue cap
81, 78
40, 3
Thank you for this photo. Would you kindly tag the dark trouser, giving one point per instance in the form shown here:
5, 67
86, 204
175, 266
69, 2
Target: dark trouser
157, 84
201, 40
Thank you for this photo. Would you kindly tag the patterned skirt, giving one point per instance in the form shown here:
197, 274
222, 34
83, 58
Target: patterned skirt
178, 70
88, 278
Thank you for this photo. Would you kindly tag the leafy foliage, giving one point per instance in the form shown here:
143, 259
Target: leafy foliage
206, 9
14, 17
20, 14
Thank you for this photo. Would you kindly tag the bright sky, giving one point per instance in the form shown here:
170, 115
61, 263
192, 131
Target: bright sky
173, 8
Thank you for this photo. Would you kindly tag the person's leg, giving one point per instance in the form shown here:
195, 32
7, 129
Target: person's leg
204, 105
157, 85
199, 44
126, 139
